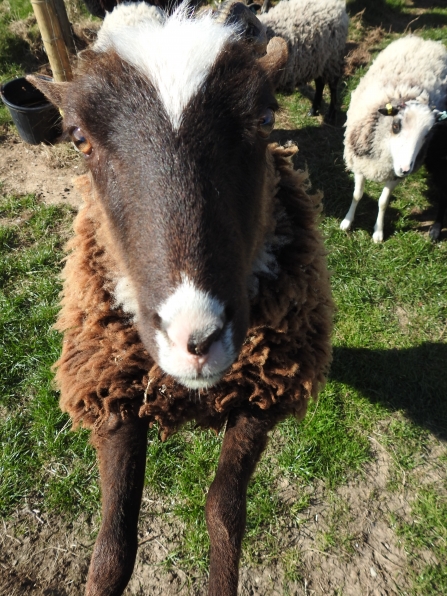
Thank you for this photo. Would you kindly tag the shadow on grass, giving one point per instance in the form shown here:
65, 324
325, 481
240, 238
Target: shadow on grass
379, 13
321, 151
16, 51
413, 380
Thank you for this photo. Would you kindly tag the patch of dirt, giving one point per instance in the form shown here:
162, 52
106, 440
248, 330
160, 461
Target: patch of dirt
45, 556
402, 317
47, 171
358, 53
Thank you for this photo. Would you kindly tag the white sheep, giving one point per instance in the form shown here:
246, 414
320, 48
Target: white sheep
391, 117
315, 31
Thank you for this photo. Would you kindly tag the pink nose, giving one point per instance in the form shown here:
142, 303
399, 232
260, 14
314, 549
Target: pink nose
196, 344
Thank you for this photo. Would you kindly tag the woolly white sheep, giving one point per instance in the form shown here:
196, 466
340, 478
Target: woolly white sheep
315, 31
391, 117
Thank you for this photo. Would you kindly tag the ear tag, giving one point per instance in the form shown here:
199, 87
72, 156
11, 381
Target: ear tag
389, 108
61, 112
442, 116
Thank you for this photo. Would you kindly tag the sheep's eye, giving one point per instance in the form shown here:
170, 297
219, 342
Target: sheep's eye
397, 125
266, 123
80, 141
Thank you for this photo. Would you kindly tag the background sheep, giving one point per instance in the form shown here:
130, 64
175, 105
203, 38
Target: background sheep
98, 8
316, 32
183, 277
391, 116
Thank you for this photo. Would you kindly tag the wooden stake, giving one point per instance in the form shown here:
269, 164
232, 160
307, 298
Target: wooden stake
64, 23
52, 39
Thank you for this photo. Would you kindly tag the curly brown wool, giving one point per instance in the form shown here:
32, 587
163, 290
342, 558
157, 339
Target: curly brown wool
104, 368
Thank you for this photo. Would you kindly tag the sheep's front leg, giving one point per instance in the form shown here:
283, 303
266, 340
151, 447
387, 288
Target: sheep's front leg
245, 439
359, 180
122, 459
384, 199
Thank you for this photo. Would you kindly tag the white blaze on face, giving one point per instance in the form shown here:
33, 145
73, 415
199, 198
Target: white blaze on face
176, 54
192, 313
416, 121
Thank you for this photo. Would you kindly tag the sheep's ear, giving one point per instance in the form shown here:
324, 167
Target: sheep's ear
55, 92
275, 59
389, 110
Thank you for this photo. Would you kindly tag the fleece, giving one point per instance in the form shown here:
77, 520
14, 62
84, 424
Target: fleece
410, 68
104, 368
316, 32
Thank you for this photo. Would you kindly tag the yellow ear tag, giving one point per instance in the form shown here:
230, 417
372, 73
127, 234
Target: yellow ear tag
61, 112
389, 108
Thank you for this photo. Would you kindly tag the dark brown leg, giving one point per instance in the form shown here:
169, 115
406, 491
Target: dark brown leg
436, 163
265, 6
440, 184
330, 116
318, 97
244, 441
122, 460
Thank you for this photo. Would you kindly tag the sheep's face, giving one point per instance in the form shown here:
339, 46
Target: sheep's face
179, 156
408, 128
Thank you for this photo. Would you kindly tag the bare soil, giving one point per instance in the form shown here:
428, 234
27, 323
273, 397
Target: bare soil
45, 170
45, 555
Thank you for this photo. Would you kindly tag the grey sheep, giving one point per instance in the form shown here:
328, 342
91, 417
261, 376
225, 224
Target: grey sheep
315, 32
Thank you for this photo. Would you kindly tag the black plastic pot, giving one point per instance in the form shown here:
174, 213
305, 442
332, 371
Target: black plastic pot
37, 120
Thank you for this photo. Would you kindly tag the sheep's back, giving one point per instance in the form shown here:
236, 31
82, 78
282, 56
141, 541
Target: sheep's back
316, 35
403, 69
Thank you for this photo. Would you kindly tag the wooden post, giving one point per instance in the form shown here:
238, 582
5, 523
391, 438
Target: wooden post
64, 23
52, 39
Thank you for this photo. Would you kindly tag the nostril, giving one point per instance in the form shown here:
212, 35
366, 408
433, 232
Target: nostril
198, 345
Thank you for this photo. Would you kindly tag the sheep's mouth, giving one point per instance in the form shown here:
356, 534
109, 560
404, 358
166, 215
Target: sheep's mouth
201, 381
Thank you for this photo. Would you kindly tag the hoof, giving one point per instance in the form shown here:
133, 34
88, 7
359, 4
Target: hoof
378, 237
330, 119
435, 232
313, 112
345, 225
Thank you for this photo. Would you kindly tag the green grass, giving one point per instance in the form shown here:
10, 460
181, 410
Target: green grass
39, 458
15, 56
388, 379
427, 532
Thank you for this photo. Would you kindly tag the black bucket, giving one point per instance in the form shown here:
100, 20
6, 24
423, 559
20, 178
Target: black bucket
37, 120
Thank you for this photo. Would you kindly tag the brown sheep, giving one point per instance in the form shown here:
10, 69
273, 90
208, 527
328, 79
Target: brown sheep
196, 285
